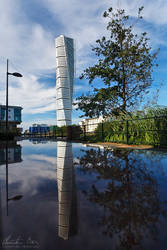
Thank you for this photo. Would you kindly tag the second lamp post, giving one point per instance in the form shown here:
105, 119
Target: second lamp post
7, 74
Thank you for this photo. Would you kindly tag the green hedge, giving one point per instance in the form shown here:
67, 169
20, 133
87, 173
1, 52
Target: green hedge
151, 130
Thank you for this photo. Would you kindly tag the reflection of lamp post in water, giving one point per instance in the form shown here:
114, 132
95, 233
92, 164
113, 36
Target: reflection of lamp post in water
16, 74
16, 197
67, 201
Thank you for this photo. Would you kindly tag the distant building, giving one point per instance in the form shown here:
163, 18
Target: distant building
90, 124
39, 129
14, 117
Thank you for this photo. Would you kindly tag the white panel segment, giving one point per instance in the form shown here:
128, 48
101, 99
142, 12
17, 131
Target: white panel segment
62, 82
64, 149
62, 93
60, 51
61, 61
63, 175
63, 163
63, 123
64, 114
60, 41
63, 104
61, 72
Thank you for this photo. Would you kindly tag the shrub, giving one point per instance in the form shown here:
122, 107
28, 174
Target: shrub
149, 127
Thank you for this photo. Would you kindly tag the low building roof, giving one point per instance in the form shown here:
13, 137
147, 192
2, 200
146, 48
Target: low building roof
9, 106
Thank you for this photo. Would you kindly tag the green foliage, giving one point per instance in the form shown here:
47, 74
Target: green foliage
125, 64
61, 131
149, 127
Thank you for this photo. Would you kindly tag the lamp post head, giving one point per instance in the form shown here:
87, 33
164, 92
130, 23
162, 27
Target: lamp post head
17, 197
17, 74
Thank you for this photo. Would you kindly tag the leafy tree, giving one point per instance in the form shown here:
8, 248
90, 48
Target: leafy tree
125, 65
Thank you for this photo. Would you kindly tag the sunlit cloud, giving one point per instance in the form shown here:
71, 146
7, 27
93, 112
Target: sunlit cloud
28, 41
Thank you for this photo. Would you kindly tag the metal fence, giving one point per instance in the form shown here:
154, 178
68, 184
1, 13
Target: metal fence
146, 130
69, 133
55, 135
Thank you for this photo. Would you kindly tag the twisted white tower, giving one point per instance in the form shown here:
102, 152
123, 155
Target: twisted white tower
64, 79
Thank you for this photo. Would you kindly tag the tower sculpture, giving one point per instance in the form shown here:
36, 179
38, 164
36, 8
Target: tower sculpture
64, 79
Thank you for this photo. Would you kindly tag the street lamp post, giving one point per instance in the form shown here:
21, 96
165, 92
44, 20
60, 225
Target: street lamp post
16, 74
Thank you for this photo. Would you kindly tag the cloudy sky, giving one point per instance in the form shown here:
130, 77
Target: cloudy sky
27, 32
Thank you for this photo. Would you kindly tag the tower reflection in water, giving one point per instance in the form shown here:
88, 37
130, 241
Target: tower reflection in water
67, 197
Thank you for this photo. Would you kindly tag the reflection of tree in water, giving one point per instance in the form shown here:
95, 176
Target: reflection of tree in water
130, 198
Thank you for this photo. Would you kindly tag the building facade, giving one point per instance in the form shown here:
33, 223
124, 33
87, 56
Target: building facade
39, 129
64, 79
90, 124
14, 117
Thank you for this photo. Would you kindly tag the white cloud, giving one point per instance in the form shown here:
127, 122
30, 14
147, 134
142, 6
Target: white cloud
83, 21
32, 170
30, 50
30, 47
31, 95
154, 10
44, 158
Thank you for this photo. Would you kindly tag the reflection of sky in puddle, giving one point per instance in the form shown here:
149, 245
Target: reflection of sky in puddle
100, 186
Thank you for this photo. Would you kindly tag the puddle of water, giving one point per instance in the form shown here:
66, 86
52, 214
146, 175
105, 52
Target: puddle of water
68, 196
